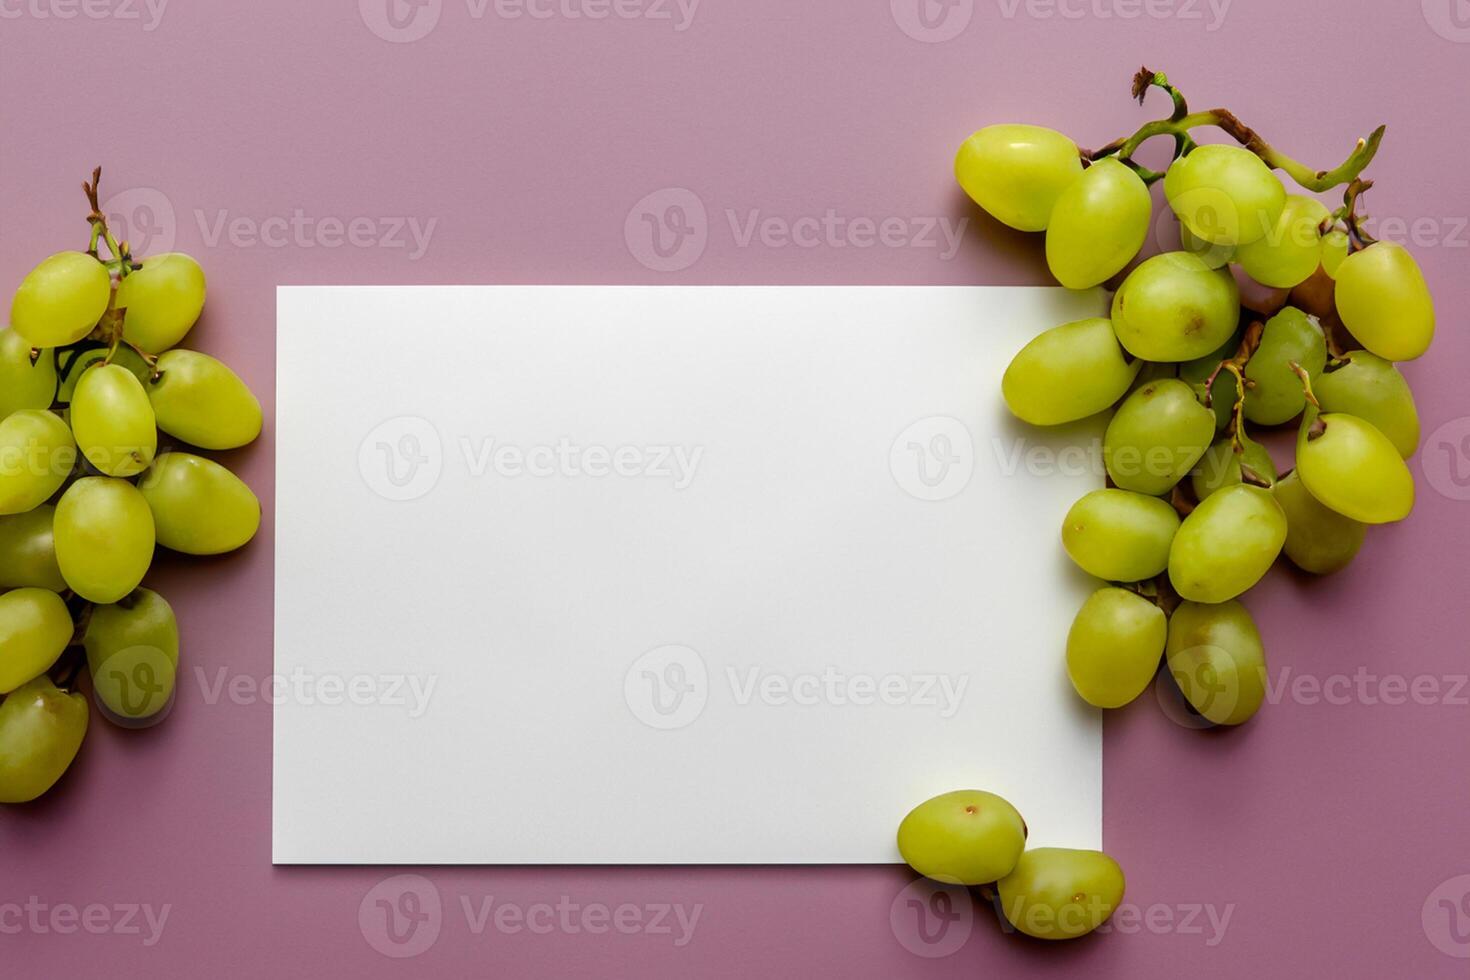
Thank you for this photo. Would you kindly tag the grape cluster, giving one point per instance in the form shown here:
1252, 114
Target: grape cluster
1194, 512
90, 375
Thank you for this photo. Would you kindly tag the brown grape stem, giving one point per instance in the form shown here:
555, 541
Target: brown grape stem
1301, 372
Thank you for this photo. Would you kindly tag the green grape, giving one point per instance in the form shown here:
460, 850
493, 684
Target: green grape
1058, 893
74, 363
1220, 466
1098, 225
36, 455
24, 384
967, 837
1318, 539
1119, 535
1384, 301
1156, 436
200, 400
199, 507
1353, 468
1068, 373
1224, 194
133, 654
113, 421
41, 729
1174, 307
1214, 256
35, 629
1227, 544
1226, 389
104, 538
61, 300
1114, 646
1291, 251
1371, 388
28, 552
1334, 250
163, 300
1215, 655
1277, 395
1017, 172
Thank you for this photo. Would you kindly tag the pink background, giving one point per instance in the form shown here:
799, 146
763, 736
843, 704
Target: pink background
1323, 828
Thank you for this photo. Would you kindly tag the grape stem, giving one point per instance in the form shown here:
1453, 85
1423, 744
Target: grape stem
1358, 238
1306, 383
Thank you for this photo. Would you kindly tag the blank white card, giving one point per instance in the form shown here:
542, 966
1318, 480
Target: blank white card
693, 575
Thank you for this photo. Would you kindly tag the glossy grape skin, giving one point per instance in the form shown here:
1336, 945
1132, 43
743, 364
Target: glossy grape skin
74, 364
1017, 172
966, 837
1291, 251
35, 629
1220, 466
1174, 307
163, 301
1114, 646
1384, 301
1367, 386
1335, 247
113, 421
104, 538
1227, 544
201, 401
1224, 194
36, 455
28, 552
60, 301
1278, 396
1318, 539
41, 729
1059, 893
1353, 468
1156, 436
199, 507
1068, 373
1098, 225
23, 384
1120, 536
1214, 256
133, 654
1215, 656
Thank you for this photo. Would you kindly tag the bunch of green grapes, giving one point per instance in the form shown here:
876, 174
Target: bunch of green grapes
90, 375
1194, 512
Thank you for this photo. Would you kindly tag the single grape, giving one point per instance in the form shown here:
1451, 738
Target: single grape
163, 301
1291, 250
28, 552
1098, 225
113, 421
133, 655
1224, 194
1068, 373
61, 300
36, 455
35, 628
1318, 539
1215, 655
1119, 535
1277, 395
24, 384
1156, 436
200, 400
1174, 307
1227, 544
74, 362
199, 507
1220, 466
1226, 389
1214, 256
967, 837
41, 729
104, 538
1114, 646
1353, 468
1384, 301
1058, 893
1017, 172
1367, 386
1335, 247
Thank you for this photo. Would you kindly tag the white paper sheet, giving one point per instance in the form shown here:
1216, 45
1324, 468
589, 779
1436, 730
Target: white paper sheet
587, 575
